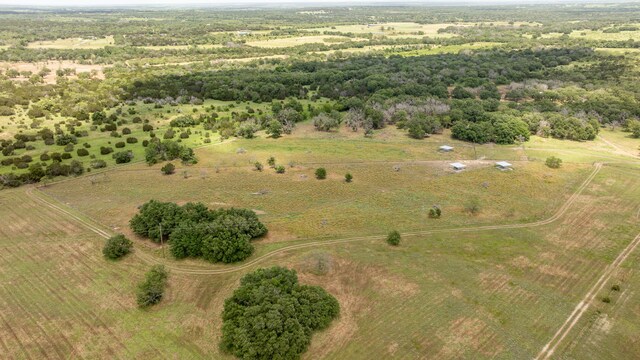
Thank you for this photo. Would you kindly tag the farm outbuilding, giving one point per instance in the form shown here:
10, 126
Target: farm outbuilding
445, 148
458, 166
503, 165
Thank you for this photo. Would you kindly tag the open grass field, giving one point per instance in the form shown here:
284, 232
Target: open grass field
496, 284
498, 293
73, 43
404, 29
295, 41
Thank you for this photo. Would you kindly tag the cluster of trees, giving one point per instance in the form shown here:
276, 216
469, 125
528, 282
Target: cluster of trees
193, 230
166, 150
272, 316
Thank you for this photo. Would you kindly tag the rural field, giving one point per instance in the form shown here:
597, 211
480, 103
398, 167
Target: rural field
348, 182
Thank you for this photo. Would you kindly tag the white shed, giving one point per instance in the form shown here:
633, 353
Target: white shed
446, 148
458, 166
503, 165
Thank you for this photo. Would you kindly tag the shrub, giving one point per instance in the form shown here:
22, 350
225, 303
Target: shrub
435, 212
126, 131
65, 139
45, 157
145, 143
169, 134
271, 161
321, 173
98, 164
300, 309
348, 177
280, 169
553, 162
324, 122
151, 290
393, 238
168, 169
123, 157
147, 127
606, 299
65, 156
68, 148
116, 247
120, 144
258, 166
105, 150
131, 140
615, 287
472, 206
82, 152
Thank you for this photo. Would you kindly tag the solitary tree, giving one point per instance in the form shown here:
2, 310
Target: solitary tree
168, 169
321, 173
553, 162
394, 238
348, 177
258, 166
116, 247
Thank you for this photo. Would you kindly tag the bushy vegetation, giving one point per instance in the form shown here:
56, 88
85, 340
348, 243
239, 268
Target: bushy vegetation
271, 316
193, 230
168, 150
393, 238
116, 247
151, 290
321, 173
553, 162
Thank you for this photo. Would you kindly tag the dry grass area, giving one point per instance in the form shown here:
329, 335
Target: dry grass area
295, 41
73, 43
53, 65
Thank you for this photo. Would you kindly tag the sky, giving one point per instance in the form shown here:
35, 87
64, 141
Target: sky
315, 3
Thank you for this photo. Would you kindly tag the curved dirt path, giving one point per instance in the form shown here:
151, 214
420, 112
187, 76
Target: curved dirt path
199, 271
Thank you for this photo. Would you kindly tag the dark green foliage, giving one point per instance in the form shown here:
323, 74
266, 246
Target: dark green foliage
258, 166
126, 131
393, 238
120, 144
168, 169
274, 128
131, 140
271, 316
348, 177
82, 152
66, 156
279, 169
168, 150
634, 127
553, 162
105, 150
116, 247
435, 212
221, 235
66, 139
183, 121
147, 127
154, 214
271, 161
461, 93
123, 157
321, 173
151, 290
